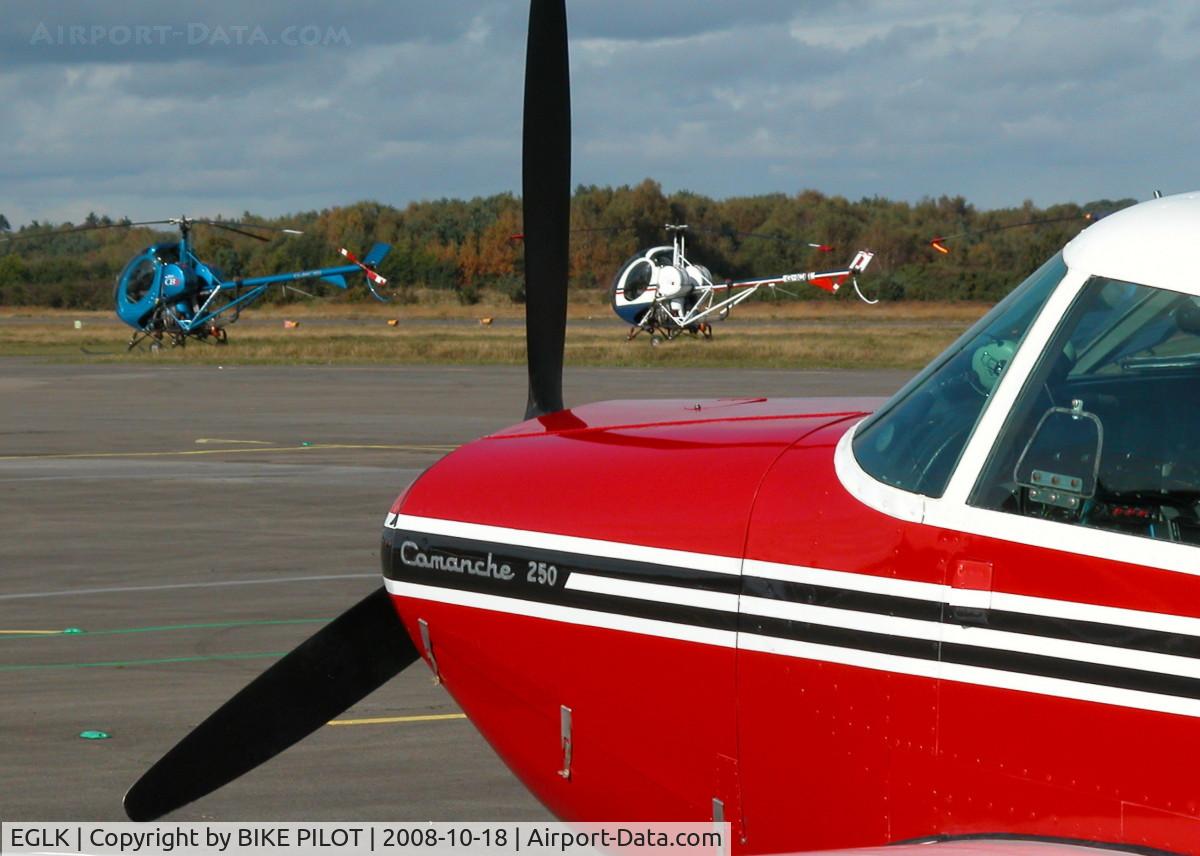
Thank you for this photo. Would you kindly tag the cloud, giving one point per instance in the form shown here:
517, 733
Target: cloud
1054, 101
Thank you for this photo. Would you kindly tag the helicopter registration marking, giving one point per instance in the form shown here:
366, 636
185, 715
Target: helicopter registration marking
415, 557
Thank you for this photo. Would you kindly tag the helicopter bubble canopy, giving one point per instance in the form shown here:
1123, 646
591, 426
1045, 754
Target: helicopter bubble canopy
153, 273
634, 288
652, 275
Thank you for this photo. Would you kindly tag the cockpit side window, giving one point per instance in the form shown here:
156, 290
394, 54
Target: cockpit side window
915, 440
140, 279
1106, 432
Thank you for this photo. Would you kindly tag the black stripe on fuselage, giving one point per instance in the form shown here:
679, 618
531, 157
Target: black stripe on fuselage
823, 634
531, 577
522, 585
1113, 635
1050, 627
599, 565
838, 598
1079, 671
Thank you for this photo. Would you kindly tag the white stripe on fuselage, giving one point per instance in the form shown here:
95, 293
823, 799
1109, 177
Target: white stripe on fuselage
847, 619
566, 614
567, 544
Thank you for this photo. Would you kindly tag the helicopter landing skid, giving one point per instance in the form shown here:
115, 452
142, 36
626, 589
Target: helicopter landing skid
659, 331
139, 338
212, 334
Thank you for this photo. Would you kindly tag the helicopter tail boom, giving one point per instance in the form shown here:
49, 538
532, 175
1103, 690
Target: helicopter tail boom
829, 280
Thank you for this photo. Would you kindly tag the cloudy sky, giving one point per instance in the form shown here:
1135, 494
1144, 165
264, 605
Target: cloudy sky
148, 109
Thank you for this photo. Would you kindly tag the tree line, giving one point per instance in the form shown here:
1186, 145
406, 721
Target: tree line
472, 247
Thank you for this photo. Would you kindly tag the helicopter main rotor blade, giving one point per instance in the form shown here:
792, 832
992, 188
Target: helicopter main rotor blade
231, 229
53, 233
342, 663
766, 236
228, 223
939, 244
546, 192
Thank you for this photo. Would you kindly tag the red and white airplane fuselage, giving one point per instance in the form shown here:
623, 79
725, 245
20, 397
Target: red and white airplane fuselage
796, 646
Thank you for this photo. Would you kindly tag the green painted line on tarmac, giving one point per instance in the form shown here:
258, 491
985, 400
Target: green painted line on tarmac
151, 662
206, 625
155, 628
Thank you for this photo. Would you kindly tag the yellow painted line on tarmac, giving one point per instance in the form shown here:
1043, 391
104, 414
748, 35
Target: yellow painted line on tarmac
441, 449
390, 720
30, 632
207, 440
432, 447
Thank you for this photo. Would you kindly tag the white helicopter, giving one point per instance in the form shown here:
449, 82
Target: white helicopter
662, 293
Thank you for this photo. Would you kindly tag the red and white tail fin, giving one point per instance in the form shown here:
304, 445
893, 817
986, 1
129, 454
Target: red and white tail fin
832, 280
861, 259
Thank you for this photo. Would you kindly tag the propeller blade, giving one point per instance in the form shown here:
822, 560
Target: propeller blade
339, 665
546, 193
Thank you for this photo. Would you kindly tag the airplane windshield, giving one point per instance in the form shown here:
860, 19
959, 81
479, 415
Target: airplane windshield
1105, 433
915, 440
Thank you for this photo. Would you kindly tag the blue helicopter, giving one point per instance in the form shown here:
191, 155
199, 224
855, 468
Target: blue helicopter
166, 293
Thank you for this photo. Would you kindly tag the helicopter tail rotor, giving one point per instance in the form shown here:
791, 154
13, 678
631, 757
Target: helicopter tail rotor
374, 256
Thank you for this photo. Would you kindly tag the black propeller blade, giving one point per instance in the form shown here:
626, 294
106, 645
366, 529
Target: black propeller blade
546, 192
342, 663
